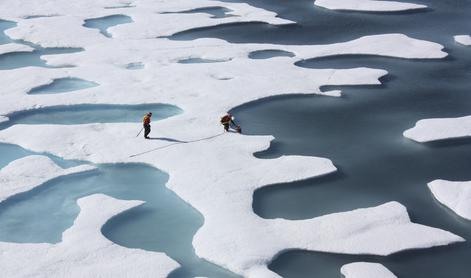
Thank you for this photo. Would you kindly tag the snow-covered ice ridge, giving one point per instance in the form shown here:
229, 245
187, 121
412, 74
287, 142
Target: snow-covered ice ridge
368, 5
456, 195
29, 172
84, 251
427, 130
219, 185
463, 39
366, 270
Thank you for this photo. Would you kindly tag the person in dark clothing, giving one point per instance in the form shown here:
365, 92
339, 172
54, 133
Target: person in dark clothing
227, 120
146, 123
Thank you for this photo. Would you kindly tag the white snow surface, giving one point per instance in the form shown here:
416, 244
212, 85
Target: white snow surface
463, 39
84, 251
427, 130
214, 172
29, 172
14, 47
368, 5
366, 270
456, 195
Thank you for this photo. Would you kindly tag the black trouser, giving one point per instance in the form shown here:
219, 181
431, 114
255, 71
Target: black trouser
146, 130
226, 126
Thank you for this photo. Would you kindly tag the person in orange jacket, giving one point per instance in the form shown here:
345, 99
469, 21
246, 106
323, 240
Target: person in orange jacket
227, 120
146, 123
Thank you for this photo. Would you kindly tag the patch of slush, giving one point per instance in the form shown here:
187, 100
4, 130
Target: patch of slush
135, 66
200, 61
91, 113
366, 270
103, 23
427, 130
63, 85
368, 5
39, 16
269, 53
29, 172
83, 250
456, 195
463, 39
123, 5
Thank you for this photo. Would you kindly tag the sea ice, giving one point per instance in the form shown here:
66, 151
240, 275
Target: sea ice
84, 251
454, 194
28, 172
368, 5
215, 172
463, 39
366, 270
440, 128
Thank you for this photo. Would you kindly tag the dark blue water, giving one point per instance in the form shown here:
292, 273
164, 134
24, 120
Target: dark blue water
63, 85
362, 134
362, 131
269, 53
103, 23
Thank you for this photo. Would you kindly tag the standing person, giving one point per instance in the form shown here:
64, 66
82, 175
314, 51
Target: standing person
227, 120
146, 123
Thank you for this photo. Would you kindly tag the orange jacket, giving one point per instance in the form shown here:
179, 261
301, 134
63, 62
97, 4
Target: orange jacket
146, 120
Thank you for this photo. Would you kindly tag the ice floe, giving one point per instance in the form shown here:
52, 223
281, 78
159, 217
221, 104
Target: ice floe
454, 194
259, 78
14, 47
463, 39
29, 172
368, 5
366, 270
440, 128
215, 172
84, 251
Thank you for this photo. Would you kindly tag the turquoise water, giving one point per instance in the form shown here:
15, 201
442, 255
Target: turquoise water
165, 223
103, 23
4, 25
63, 85
17, 60
91, 113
